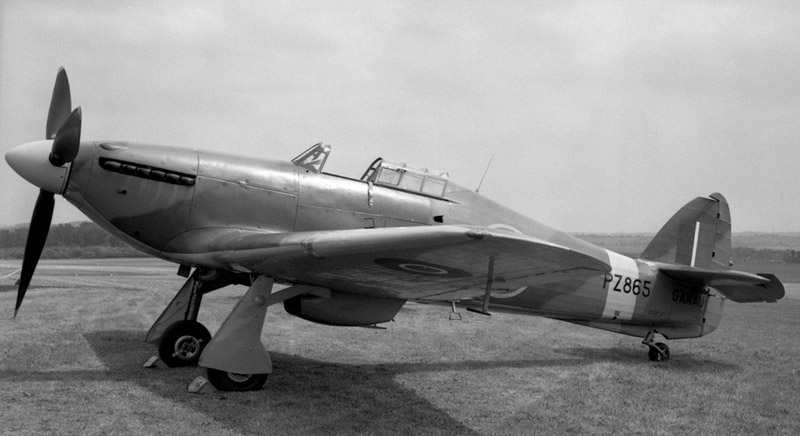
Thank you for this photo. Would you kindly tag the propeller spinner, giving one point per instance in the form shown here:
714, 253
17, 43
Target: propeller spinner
46, 165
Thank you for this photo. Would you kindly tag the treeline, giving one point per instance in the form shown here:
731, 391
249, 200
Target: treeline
753, 255
66, 241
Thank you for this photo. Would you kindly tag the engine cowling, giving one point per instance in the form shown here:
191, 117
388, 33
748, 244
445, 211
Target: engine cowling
343, 309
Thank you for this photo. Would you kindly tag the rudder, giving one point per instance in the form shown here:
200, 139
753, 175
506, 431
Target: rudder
698, 235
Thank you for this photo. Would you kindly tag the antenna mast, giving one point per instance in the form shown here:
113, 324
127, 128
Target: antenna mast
478, 189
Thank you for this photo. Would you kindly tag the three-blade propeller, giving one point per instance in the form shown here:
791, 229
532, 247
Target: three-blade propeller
64, 127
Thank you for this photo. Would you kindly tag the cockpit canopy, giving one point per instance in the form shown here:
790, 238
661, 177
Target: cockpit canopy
401, 176
396, 175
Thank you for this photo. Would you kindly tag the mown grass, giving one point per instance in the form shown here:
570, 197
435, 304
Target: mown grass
71, 364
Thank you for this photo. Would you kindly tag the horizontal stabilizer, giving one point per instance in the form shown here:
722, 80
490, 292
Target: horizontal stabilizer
769, 292
738, 286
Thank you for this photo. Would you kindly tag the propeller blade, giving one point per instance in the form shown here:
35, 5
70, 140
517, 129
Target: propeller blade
60, 104
37, 235
68, 140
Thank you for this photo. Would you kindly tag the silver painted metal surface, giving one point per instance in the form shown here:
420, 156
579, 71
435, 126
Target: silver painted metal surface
270, 217
400, 232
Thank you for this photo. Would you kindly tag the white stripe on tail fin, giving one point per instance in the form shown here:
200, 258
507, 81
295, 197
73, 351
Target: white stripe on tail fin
698, 235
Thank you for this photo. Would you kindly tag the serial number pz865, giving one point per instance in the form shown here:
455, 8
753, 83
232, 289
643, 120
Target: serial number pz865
627, 285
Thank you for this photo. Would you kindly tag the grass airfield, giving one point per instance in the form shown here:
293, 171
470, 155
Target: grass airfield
71, 363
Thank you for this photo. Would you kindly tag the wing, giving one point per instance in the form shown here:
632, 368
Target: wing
407, 262
739, 286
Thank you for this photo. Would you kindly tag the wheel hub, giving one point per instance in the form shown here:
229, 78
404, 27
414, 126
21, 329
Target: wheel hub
187, 347
239, 378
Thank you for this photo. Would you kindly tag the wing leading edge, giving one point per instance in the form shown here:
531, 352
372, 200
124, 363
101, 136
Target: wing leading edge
405, 262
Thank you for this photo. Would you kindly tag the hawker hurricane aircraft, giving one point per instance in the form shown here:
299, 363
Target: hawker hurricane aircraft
353, 251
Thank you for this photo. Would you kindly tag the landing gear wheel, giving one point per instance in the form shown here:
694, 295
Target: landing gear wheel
660, 353
182, 343
228, 381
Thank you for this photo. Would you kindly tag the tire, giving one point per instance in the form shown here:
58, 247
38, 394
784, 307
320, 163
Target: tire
182, 343
228, 381
655, 356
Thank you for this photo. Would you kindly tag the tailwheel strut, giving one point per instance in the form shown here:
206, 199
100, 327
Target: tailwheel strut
659, 351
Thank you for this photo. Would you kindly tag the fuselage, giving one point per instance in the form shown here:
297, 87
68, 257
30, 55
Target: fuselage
172, 203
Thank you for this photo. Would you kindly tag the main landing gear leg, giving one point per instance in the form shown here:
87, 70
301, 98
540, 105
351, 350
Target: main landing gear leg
235, 357
180, 338
659, 351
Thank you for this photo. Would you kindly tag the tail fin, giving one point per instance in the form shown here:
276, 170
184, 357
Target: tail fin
698, 235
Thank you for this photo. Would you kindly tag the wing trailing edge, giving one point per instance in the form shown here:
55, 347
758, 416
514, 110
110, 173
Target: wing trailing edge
398, 262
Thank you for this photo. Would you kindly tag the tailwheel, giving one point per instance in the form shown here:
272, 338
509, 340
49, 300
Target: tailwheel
182, 343
659, 352
229, 381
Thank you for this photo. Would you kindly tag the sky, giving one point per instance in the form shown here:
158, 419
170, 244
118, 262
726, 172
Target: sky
597, 116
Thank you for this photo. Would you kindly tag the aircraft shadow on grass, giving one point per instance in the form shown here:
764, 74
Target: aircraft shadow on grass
317, 396
632, 356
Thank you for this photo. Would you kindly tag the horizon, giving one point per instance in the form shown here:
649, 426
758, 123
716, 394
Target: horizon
601, 116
